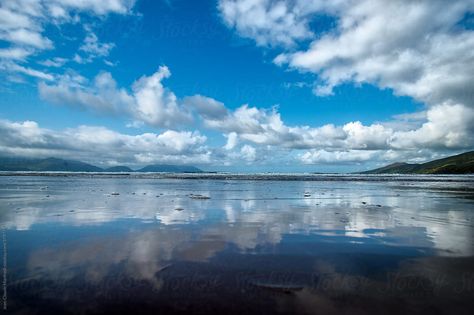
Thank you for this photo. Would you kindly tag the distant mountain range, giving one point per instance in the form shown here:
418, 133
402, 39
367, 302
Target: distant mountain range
124, 169
60, 165
457, 164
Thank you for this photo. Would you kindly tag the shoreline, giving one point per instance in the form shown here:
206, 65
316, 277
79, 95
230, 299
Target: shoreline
255, 176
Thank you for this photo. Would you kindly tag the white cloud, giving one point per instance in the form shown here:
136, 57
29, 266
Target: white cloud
447, 126
416, 48
77, 58
93, 48
266, 21
208, 108
335, 157
135, 124
55, 62
150, 102
14, 53
102, 95
27, 38
23, 23
13, 67
99, 144
248, 153
347, 144
155, 104
265, 127
97, 7
232, 140
374, 136
110, 63
408, 135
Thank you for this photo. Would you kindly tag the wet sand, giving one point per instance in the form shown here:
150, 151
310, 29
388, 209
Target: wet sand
213, 245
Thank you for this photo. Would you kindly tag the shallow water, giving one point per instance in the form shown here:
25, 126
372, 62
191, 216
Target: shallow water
327, 246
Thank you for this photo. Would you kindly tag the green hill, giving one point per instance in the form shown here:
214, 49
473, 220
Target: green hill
123, 169
457, 164
46, 165
60, 165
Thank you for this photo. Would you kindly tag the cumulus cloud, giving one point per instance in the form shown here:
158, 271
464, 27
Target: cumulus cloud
155, 104
149, 101
406, 136
329, 144
447, 126
265, 127
266, 21
318, 156
414, 48
206, 107
23, 23
248, 153
99, 144
232, 140
419, 49
374, 136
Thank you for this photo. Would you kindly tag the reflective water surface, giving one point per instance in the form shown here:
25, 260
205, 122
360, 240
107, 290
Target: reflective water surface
116, 244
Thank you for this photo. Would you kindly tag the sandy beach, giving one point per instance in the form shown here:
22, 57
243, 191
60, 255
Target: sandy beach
118, 243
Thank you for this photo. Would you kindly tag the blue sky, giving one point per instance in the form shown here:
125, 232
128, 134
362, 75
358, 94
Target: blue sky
237, 85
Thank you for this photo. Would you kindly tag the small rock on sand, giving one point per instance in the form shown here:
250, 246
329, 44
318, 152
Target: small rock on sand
178, 209
114, 194
164, 268
201, 197
283, 288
